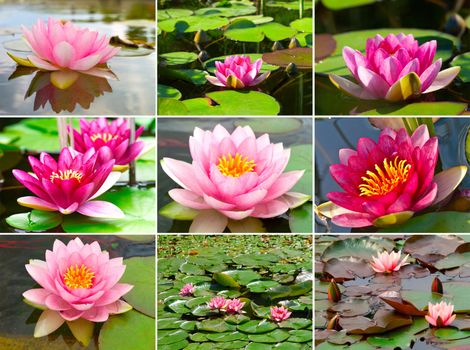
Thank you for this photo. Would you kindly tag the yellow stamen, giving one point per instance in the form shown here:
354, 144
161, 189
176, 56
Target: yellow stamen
235, 166
385, 180
79, 277
106, 137
66, 175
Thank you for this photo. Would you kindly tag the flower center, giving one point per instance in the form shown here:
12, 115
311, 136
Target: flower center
235, 166
79, 277
66, 175
106, 137
383, 181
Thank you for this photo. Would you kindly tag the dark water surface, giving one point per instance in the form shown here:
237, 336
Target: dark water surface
132, 94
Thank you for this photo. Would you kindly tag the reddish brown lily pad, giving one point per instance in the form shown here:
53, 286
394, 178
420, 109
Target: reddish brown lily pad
346, 269
301, 57
383, 321
325, 45
435, 244
351, 307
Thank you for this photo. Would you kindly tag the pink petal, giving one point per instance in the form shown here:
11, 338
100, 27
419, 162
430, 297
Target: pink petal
351, 88
37, 296
36, 203
85, 63
353, 220
47, 323
188, 198
182, 173
64, 54
373, 82
428, 76
42, 64
444, 78
427, 200
101, 209
270, 209
208, 221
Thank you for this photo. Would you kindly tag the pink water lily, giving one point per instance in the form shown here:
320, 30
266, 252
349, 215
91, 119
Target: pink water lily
217, 303
394, 68
187, 290
388, 262
440, 314
386, 182
112, 138
234, 306
59, 45
237, 72
77, 281
280, 313
233, 176
70, 184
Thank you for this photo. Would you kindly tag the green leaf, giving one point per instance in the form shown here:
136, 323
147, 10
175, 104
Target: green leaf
420, 108
300, 336
230, 102
446, 221
276, 31
226, 336
35, 220
176, 211
256, 259
192, 23
257, 327
260, 286
225, 280
173, 13
243, 277
362, 247
115, 333
449, 333
295, 323
336, 5
140, 272
169, 106
217, 325
400, 338
301, 159
244, 30
137, 204
273, 337
164, 91
178, 57
303, 24
300, 219
463, 61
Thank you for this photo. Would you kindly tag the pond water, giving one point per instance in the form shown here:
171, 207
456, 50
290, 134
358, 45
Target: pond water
173, 138
17, 319
333, 134
24, 91
292, 92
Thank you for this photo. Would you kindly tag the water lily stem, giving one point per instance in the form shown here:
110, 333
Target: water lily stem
132, 174
301, 8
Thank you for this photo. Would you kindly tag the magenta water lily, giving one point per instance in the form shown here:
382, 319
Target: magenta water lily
112, 138
394, 68
59, 45
78, 282
237, 72
233, 177
386, 182
70, 184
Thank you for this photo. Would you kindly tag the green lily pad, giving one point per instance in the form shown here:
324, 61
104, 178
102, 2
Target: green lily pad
169, 106
303, 24
230, 102
35, 220
115, 332
446, 221
420, 108
137, 204
301, 57
178, 58
357, 40
300, 219
295, 323
336, 5
176, 211
462, 61
192, 23
450, 333
401, 337
226, 336
217, 325
363, 247
276, 31
243, 277
274, 337
256, 259
140, 272
300, 336
257, 327
235, 9
225, 280
194, 76
173, 13
290, 5
168, 92
244, 30
301, 159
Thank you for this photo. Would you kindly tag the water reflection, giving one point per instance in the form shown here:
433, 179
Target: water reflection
63, 90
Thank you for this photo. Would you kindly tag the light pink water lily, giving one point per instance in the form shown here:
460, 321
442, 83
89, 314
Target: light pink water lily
386, 182
112, 138
70, 184
77, 282
388, 262
217, 303
440, 314
187, 290
237, 72
233, 306
280, 313
394, 68
233, 176
59, 45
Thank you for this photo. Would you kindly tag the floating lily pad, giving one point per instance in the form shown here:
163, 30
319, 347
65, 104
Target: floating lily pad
168, 92
421, 108
363, 248
435, 223
173, 13
140, 272
303, 24
300, 219
115, 332
300, 158
463, 61
289, 5
257, 327
192, 23
345, 4
35, 220
177, 58
137, 204
301, 57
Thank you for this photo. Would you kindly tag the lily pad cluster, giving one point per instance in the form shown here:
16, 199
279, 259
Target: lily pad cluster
236, 23
360, 309
260, 279
33, 136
